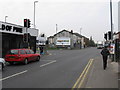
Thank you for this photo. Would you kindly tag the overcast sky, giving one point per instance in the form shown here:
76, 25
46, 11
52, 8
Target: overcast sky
93, 16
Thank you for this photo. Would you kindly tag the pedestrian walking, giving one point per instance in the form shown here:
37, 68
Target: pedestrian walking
105, 52
41, 50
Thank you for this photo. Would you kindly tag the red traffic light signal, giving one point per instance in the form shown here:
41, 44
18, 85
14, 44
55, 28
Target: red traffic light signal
25, 22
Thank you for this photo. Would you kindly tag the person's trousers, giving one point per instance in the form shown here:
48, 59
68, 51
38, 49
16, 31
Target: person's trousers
105, 62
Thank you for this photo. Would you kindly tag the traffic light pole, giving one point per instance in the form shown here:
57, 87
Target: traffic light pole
112, 55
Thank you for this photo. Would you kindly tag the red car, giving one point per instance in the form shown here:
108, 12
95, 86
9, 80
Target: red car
21, 55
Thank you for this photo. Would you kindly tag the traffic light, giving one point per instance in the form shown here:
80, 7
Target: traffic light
105, 36
29, 37
109, 35
28, 23
25, 22
25, 37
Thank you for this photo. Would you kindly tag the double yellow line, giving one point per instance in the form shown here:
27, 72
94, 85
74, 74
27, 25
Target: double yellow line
81, 78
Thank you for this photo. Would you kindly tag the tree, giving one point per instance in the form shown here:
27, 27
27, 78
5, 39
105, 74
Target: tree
91, 42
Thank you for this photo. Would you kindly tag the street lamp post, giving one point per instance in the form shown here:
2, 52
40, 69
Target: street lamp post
56, 28
111, 20
34, 12
80, 30
5, 18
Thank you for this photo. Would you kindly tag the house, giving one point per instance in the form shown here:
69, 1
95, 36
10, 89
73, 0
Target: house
68, 39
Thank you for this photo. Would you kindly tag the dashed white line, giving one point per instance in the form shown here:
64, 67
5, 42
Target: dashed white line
26, 70
13, 75
48, 60
48, 63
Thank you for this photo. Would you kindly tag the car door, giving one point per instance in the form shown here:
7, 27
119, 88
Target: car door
33, 55
22, 54
29, 56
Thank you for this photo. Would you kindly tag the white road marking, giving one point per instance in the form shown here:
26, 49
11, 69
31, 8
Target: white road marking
48, 60
48, 63
13, 75
27, 70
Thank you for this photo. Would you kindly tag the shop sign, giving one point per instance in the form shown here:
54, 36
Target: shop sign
10, 28
112, 48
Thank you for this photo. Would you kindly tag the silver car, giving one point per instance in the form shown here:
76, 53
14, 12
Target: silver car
2, 63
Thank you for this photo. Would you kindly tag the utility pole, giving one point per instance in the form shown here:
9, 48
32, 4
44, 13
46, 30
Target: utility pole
111, 19
80, 30
56, 28
5, 18
34, 12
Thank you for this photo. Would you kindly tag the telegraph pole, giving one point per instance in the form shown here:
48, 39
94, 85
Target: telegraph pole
56, 28
111, 20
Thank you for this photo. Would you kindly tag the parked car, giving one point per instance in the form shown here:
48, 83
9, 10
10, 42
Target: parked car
21, 55
2, 63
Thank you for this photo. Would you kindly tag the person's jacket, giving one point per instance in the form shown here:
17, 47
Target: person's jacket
105, 52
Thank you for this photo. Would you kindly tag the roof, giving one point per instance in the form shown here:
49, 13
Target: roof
62, 31
77, 34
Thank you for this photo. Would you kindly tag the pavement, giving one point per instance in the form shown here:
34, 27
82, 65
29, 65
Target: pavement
99, 78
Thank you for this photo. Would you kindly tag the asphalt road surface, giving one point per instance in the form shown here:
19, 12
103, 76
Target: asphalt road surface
59, 69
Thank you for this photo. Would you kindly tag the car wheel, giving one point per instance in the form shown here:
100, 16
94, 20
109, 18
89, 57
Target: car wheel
2, 67
11, 63
26, 61
38, 58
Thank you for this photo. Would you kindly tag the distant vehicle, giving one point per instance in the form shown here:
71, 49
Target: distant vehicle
21, 55
100, 46
2, 63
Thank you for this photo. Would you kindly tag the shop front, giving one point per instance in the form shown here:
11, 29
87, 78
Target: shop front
12, 37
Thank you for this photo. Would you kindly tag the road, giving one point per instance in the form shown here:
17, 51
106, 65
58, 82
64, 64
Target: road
60, 69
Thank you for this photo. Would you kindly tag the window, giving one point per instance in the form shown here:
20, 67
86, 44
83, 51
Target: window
28, 52
13, 52
22, 52
31, 52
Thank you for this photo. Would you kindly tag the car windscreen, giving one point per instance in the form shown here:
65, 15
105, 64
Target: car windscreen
13, 52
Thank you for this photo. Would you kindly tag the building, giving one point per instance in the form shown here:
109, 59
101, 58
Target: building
116, 38
68, 39
12, 37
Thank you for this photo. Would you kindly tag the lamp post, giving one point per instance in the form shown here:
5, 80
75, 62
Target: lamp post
56, 28
80, 30
5, 18
111, 20
34, 12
